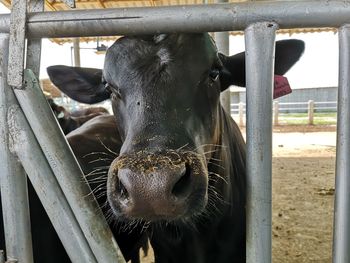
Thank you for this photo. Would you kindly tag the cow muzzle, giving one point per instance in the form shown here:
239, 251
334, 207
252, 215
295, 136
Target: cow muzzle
158, 186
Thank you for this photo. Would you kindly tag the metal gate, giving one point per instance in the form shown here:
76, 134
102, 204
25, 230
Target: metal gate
42, 149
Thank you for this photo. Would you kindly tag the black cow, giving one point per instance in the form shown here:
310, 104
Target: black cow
181, 168
69, 121
99, 134
95, 144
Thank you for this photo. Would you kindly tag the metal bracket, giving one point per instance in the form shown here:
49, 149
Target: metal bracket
70, 3
17, 43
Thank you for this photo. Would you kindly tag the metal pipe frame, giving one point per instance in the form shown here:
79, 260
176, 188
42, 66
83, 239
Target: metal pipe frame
260, 51
66, 170
190, 18
341, 232
201, 18
222, 40
76, 52
17, 42
34, 45
16, 133
13, 180
46, 186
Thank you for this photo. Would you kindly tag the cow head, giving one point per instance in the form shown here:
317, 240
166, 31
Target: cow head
165, 95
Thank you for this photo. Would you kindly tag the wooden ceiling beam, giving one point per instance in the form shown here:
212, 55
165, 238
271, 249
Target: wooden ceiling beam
50, 5
102, 4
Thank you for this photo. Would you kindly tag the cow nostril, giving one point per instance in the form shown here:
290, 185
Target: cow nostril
182, 186
121, 190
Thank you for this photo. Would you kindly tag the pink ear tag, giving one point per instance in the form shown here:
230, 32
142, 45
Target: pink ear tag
281, 87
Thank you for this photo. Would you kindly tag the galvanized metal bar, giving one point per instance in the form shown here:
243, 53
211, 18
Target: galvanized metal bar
189, 18
17, 42
67, 170
341, 234
260, 49
13, 180
76, 52
222, 40
34, 55
45, 184
34, 45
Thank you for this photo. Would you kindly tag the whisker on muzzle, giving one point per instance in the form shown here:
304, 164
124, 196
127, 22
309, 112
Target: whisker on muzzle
107, 148
98, 153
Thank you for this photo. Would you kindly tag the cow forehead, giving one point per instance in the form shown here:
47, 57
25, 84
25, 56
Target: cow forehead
144, 45
131, 53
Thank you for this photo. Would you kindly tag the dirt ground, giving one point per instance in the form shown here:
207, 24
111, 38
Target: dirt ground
303, 193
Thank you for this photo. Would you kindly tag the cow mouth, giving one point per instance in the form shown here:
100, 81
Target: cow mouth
158, 186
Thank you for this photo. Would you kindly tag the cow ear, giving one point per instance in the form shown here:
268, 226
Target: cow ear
81, 84
287, 53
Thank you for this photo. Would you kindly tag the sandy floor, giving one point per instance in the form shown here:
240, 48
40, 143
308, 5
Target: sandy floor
303, 191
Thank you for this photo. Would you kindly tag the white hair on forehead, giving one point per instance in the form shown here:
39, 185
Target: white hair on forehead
164, 56
159, 38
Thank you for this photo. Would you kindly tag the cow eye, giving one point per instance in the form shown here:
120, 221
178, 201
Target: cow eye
115, 92
214, 74
108, 87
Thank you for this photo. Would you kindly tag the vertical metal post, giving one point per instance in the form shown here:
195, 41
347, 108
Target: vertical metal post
13, 181
222, 40
76, 50
77, 63
260, 48
341, 235
17, 42
34, 45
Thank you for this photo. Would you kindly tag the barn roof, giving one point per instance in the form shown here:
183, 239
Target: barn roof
59, 5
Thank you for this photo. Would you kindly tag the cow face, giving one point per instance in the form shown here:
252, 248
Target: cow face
165, 96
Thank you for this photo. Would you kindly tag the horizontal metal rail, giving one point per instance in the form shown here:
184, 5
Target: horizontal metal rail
189, 18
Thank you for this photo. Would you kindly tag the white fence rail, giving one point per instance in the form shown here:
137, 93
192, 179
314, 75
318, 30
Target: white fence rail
238, 110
